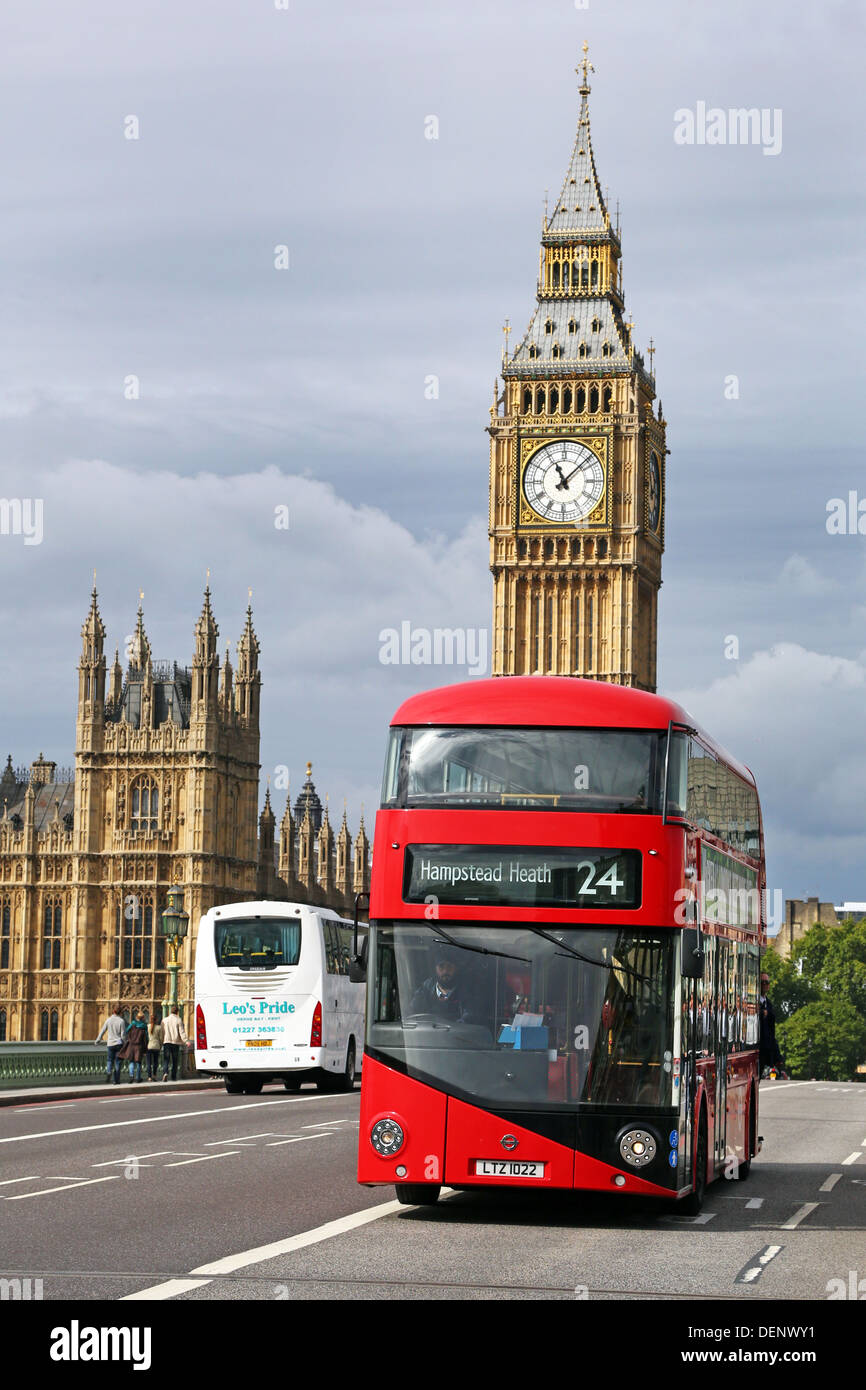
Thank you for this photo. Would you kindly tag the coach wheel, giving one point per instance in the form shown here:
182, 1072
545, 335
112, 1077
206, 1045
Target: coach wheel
292, 1083
692, 1204
417, 1194
253, 1088
347, 1081
234, 1086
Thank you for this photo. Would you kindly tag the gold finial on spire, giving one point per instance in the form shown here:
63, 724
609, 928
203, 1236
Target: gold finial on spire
587, 68
309, 769
506, 329
250, 594
651, 352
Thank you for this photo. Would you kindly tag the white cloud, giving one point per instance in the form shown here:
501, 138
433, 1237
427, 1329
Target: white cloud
800, 576
796, 718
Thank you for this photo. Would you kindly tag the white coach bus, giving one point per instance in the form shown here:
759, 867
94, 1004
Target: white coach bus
273, 997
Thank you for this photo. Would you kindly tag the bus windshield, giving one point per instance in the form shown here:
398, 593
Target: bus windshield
257, 943
528, 1015
524, 769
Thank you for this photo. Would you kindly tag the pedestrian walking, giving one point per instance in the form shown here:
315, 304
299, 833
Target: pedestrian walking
155, 1039
174, 1036
114, 1028
135, 1045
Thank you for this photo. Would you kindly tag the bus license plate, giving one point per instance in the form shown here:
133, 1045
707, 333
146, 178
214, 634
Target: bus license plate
507, 1168
259, 1042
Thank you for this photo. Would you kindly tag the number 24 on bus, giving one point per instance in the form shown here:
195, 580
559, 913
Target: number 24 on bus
545, 1006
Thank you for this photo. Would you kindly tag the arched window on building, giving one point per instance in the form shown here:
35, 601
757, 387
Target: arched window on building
527, 400
556, 275
134, 950
607, 397
5, 933
49, 1024
145, 804
593, 398
581, 400
52, 932
566, 400
2, 1025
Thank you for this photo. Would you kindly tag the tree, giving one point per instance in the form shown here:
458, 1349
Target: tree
834, 961
788, 989
826, 1040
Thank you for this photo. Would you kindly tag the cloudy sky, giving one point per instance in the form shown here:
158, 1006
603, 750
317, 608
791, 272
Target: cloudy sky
164, 387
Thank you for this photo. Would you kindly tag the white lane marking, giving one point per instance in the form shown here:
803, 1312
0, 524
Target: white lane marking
753, 1272
155, 1119
266, 1252
205, 1159
298, 1139
241, 1138
830, 1183
323, 1124
753, 1203
132, 1158
169, 1290
786, 1086
7, 1182
44, 1191
805, 1210
863, 1143
852, 1158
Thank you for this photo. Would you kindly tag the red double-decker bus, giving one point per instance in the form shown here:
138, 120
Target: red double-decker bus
563, 958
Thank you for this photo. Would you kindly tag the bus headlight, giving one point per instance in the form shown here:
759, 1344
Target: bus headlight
387, 1137
638, 1147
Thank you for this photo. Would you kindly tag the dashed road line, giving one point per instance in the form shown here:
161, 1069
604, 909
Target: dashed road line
805, 1210
829, 1183
755, 1268
158, 1119
7, 1182
296, 1139
205, 1158
45, 1191
754, 1203
852, 1158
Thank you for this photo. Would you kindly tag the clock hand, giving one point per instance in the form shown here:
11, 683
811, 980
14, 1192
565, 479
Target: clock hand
563, 480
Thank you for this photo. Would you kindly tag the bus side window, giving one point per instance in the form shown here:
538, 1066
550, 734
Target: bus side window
330, 953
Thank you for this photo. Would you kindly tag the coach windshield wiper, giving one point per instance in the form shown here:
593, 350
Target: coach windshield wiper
588, 960
479, 950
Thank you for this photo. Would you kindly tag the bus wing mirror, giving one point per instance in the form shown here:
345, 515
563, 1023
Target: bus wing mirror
693, 954
358, 963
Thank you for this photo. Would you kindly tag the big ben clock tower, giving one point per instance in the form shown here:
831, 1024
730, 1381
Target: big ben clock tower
577, 459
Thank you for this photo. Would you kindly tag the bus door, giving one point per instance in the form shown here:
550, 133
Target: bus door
721, 1048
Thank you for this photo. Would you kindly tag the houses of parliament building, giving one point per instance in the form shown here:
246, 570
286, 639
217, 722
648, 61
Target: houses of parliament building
164, 793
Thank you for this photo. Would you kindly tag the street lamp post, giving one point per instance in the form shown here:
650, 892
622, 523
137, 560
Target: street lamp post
175, 925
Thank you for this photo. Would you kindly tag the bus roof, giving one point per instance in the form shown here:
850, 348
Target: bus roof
549, 702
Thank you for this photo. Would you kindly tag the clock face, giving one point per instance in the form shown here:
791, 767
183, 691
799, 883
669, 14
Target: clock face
654, 491
563, 481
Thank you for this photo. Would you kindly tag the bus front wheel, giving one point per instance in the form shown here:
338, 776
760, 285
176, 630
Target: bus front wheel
253, 1088
234, 1085
417, 1194
292, 1083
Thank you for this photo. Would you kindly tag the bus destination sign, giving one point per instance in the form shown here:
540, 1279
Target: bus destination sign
522, 876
